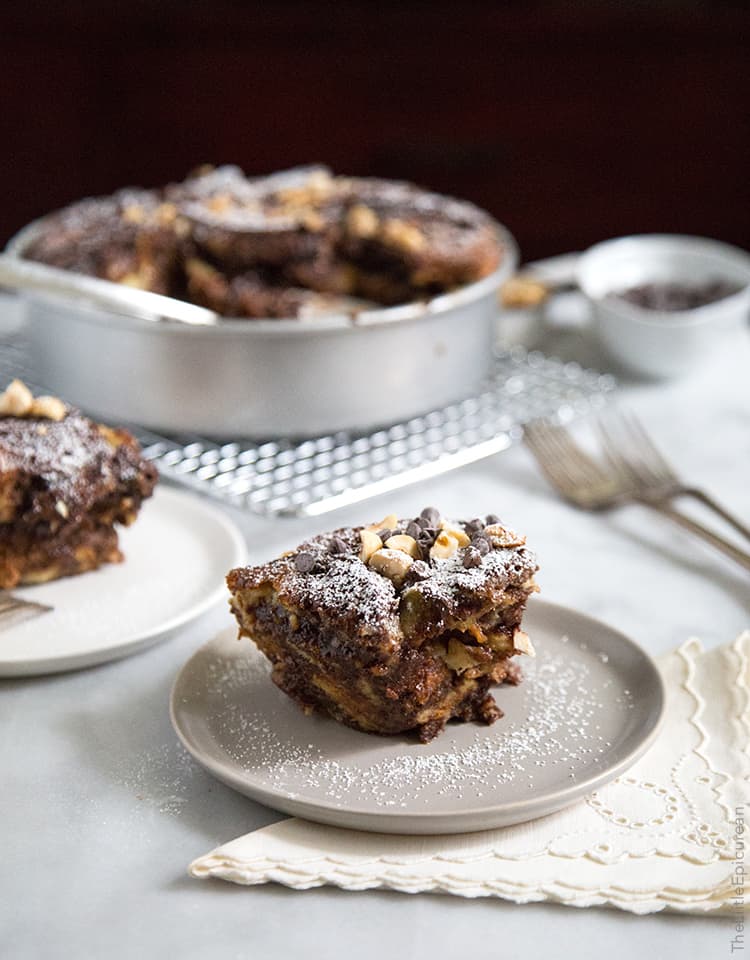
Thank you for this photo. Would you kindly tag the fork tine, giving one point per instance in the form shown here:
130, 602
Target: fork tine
630, 450
579, 466
656, 460
590, 472
572, 472
551, 457
10, 604
622, 450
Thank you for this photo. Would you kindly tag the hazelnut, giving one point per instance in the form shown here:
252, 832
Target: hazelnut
458, 656
387, 523
312, 221
166, 214
393, 564
522, 292
403, 235
62, 508
370, 543
50, 408
444, 546
136, 279
133, 213
361, 221
457, 532
318, 186
16, 401
405, 543
500, 536
219, 202
522, 643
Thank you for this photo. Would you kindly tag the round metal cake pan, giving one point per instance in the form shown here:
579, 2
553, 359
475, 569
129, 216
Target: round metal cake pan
257, 378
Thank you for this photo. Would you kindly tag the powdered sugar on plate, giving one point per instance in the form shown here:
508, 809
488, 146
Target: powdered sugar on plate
590, 704
552, 732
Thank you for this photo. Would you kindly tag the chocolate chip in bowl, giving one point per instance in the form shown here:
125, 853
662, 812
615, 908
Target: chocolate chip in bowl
661, 304
677, 296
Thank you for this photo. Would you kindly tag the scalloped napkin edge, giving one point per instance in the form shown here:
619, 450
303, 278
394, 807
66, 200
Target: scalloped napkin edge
667, 835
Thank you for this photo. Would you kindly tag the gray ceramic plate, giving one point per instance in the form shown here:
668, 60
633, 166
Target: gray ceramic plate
590, 705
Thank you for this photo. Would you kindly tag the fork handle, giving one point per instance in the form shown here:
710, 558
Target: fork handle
719, 543
702, 497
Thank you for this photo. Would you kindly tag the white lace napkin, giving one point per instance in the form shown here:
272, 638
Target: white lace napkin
667, 834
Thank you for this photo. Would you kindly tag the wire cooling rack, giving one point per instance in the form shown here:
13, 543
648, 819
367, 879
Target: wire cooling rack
313, 476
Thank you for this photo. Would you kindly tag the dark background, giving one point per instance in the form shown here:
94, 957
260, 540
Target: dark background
569, 121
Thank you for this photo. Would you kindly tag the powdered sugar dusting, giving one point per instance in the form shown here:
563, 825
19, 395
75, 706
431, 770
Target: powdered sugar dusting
348, 588
558, 726
449, 579
69, 459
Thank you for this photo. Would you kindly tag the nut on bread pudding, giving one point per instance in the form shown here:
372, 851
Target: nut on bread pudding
397, 626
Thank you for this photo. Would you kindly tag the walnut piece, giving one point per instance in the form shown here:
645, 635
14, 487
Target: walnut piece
500, 536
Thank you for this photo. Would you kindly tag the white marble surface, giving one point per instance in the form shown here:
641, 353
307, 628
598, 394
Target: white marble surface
101, 811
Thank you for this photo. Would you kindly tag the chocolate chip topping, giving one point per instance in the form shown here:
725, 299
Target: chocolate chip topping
348, 586
413, 529
481, 545
431, 515
337, 545
304, 562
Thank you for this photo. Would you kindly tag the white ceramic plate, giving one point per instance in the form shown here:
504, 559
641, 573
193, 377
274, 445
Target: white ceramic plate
590, 705
177, 554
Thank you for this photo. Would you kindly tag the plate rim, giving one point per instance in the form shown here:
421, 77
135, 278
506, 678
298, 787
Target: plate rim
433, 822
49, 665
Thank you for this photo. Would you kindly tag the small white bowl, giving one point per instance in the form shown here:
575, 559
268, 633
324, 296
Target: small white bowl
659, 343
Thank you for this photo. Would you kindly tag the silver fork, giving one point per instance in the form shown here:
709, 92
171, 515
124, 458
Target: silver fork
12, 606
632, 449
630, 469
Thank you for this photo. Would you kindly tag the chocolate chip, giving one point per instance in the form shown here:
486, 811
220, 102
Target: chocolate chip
426, 540
431, 515
337, 545
471, 558
413, 530
304, 562
474, 526
491, 518
481, 545
385, 533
